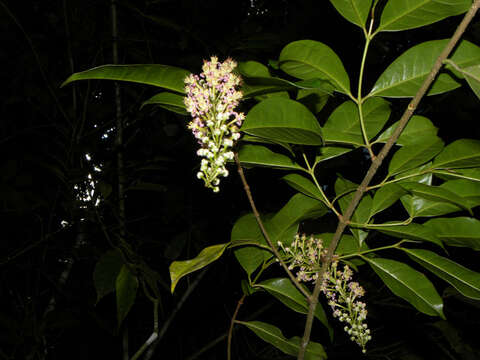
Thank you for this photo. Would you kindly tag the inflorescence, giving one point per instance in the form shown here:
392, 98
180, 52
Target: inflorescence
307, 254
211, 99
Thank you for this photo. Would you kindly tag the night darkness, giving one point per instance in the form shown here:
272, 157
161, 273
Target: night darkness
52, 138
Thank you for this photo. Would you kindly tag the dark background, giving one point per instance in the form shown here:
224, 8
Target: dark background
46, 131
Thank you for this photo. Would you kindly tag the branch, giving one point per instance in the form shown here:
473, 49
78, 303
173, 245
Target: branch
343, 221
264, 231
232, 323
154, 334
167, 323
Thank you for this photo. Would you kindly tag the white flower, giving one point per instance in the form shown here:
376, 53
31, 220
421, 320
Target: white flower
211, 99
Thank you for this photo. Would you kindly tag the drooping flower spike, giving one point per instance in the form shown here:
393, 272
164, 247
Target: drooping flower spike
343, 294
307, 254
211, 99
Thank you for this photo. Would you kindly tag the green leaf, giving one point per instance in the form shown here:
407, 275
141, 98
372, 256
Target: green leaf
261, 92
418, 127
169, 101
256, 155
303, 185
251, 257
247, 289
362, 212
414, 155
421, 174
385, 197
126, 287
313, 99
330, 152
411, 231
464, 280
469, 190
405, 75
260, 140
409, 284
179, 269
419, 207
252, 69
274, 336
257, 86
276, 82
467, 174
246, 231
466, 189
106, 272
376, 112
460, 231
355, 11
298, 208
462, 153
408, 14
343, 125
435, 193
256, 75
308, 59
347, 244
472, 75
288, 294
257, 81
283, 120
281, 227
164, 76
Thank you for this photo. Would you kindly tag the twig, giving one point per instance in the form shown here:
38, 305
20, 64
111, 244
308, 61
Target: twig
343, 221
264, 231
179, 305
153, 337
232, 323
125, 352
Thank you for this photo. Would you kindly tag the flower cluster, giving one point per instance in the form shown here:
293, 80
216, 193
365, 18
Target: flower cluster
307, 254
211, 100
343, 295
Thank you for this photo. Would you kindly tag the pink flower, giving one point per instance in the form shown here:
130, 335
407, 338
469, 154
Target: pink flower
211, 99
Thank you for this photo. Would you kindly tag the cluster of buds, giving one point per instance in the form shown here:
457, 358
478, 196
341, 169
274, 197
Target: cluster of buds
211, 100
343, 294
307, 254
